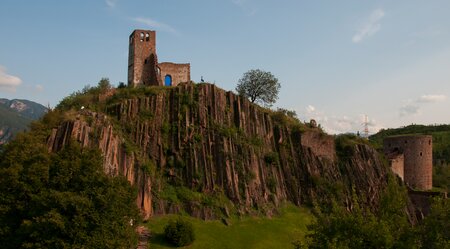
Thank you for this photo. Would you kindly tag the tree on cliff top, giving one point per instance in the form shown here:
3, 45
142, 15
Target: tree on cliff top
259, 86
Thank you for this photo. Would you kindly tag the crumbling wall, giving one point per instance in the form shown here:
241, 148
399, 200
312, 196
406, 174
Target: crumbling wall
179, 73
397, 164
320, 144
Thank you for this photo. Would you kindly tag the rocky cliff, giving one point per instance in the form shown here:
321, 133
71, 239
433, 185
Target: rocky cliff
209, 152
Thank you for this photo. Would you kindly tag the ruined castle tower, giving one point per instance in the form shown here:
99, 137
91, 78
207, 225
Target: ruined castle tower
143, 66
411, 157
142, 59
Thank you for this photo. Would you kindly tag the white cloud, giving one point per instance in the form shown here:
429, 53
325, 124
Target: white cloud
340, 124
310, 109
409, 109
413, 107
370, 27
39, 88
8, 82
111, 3
431, 98
156, 25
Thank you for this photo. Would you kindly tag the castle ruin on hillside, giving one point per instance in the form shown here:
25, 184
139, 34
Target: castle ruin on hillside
411, 158
143, 66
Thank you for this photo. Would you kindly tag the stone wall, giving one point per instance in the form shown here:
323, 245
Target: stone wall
320, 144
418, 158
142, 59
397, 164
179, 73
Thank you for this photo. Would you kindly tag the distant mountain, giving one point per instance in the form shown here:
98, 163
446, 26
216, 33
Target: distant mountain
16, 115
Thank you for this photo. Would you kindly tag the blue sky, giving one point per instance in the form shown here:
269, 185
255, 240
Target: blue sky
336, 60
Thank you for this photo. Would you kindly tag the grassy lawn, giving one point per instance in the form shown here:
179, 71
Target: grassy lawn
247, 232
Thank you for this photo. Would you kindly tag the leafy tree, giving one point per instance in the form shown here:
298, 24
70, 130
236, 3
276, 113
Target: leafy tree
62, 200
363, 228
434, 231
104, 84
179, 233
259, 86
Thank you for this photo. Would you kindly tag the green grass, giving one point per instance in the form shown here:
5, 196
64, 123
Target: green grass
247, 232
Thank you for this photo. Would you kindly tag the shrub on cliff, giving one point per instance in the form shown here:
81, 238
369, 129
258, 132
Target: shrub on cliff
179, 233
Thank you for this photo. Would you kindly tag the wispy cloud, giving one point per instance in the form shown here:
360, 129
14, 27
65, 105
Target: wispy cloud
412, 107
432, 98
370, 27
245, 6
153, 24
8, 82
339, 124
409, 110
39, 88
111, 3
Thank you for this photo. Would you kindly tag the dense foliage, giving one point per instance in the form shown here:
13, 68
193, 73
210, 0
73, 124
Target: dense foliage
179, 232
388, 227
61, 200
259, 86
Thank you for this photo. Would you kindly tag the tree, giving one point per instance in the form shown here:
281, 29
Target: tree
179, 233
63, 199
259, 86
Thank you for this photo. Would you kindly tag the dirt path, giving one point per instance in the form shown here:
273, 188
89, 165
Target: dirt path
144, 236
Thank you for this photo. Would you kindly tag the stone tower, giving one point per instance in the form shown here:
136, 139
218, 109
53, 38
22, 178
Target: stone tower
416, 152
142, 59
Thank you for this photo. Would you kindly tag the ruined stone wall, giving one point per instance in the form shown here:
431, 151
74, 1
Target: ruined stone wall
320, 144
178, 72
418, 158
397, 164
142, 59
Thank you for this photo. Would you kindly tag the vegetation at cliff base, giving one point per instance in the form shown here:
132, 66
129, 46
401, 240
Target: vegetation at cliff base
179, 232
278, 231
387, 227
63, 199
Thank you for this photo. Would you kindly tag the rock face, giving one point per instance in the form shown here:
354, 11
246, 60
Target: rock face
212, 141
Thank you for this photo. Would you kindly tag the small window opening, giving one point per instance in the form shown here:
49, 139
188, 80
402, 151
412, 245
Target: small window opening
420, 153
147, 37
141, 36
406, 141
429, 142
145, 62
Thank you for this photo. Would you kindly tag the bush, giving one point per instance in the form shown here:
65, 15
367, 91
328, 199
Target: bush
179, 233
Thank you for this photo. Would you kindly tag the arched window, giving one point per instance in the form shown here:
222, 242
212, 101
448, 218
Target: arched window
147, 36
168, 80
141, 36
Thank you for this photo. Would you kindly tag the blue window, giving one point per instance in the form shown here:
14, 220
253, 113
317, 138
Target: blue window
168, 80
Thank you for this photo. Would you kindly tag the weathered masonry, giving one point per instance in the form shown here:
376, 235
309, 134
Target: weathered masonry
143, 66
411, 158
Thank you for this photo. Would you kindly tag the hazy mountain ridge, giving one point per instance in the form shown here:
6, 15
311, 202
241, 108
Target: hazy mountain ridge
16, 114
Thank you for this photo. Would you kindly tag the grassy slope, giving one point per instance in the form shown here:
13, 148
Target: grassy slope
247, 232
